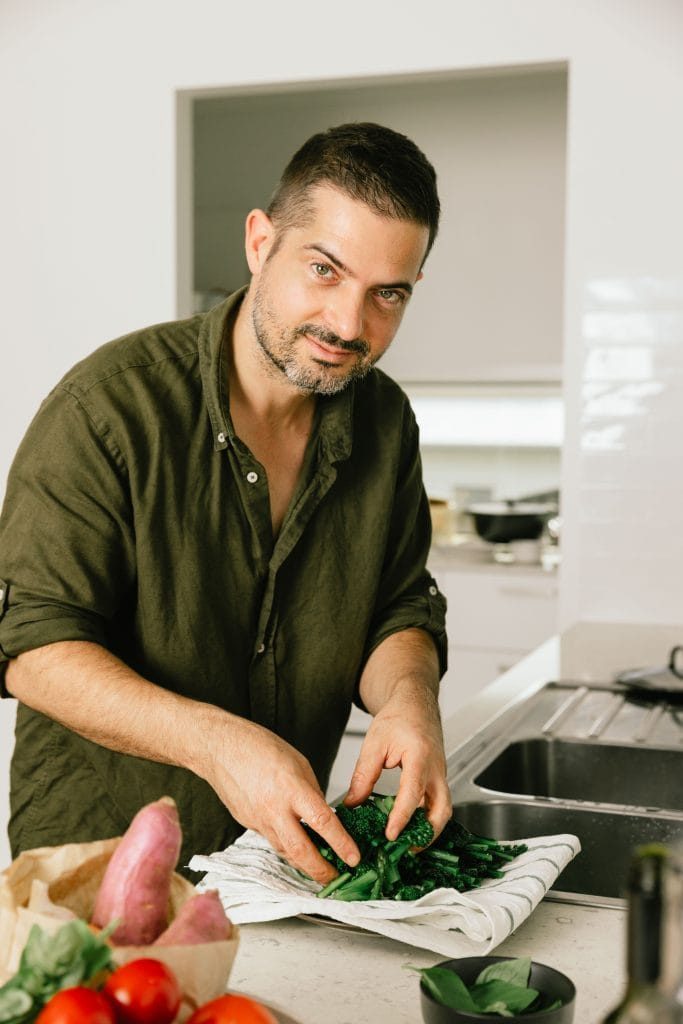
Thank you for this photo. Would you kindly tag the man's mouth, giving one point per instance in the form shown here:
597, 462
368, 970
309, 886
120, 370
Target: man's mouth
327, 351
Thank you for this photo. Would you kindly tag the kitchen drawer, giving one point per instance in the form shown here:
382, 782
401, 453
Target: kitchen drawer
487, 610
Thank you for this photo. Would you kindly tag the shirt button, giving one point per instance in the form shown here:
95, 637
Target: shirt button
261, 649
221, 437
433, 591
252, 477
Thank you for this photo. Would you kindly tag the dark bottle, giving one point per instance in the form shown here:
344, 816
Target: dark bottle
654, 993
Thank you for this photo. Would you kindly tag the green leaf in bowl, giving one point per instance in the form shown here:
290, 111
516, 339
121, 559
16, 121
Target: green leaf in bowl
515, 972
489, 996
447, 988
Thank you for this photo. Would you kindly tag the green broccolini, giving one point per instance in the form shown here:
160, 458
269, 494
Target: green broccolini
409, 867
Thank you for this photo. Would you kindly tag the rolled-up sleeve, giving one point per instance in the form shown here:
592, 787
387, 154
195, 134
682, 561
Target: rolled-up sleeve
66, 537
408, 595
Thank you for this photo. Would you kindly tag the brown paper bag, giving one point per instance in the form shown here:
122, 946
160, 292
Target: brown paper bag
51, 884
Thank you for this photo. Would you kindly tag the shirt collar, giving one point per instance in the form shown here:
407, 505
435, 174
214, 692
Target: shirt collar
334, 412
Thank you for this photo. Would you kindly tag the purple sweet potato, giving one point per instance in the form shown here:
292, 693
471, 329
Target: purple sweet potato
136, 885
200, 919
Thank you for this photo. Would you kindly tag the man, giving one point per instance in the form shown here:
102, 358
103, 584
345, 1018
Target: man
214, 539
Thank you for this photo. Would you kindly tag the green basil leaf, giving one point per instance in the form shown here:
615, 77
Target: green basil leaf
14, 1002
513, 997
64, 947
34, 952
516, 972
499, 1008
447, 988
49, 963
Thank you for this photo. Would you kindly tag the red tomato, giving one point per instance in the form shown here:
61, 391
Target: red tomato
232, 1009
144, 991
79, 1005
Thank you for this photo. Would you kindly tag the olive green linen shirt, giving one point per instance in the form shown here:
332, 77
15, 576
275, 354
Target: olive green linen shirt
134, 517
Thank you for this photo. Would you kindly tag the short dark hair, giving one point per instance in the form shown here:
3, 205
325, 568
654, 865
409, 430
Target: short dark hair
369, 162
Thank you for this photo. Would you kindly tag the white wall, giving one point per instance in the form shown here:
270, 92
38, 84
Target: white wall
87, 207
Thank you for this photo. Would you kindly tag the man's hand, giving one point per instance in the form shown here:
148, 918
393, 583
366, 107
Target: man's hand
399, 686
270, 787
405, 734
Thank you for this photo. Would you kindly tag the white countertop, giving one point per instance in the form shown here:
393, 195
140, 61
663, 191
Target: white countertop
314, 973
468, 553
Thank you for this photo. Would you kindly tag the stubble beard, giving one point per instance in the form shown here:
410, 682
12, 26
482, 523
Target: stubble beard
279, 349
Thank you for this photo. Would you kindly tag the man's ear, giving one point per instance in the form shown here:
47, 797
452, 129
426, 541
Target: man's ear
259, 235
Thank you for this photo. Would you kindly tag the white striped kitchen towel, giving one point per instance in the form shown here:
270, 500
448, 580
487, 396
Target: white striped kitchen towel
255, 884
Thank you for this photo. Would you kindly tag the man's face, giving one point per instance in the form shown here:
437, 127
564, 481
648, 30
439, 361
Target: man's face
329, 296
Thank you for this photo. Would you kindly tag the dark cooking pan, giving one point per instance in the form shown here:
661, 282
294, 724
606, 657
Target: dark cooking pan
500, 522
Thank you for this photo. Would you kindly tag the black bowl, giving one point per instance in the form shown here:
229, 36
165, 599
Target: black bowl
503, 522
547, 980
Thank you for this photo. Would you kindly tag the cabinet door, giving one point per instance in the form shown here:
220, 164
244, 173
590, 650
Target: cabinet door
491, 610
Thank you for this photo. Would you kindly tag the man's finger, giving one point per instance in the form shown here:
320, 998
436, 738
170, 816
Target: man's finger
301, 853
411, 790
323, 820
368, 769
439, 807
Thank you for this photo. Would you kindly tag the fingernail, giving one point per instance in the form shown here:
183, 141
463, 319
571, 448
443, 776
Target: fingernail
353, 861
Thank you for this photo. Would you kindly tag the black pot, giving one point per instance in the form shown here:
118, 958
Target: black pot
500, 522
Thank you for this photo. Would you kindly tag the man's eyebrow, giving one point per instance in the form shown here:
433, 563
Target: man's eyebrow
316, 247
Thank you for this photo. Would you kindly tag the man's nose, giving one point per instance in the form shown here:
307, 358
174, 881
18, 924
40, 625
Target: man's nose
345, 314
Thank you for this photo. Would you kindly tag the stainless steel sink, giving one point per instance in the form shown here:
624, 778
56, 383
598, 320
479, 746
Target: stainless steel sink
585, 760
607, 838
575, 770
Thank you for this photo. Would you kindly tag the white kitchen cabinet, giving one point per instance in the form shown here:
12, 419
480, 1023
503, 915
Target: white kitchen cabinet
494, 618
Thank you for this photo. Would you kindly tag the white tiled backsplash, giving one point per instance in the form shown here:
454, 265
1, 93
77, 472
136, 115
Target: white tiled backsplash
630, 500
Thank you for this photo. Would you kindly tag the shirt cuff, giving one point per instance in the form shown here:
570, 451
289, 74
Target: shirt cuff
28, 626
425, 610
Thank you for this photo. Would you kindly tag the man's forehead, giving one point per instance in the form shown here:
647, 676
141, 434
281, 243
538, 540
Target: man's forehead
339, 220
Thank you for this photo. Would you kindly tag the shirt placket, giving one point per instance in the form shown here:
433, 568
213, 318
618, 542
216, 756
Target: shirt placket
263, 674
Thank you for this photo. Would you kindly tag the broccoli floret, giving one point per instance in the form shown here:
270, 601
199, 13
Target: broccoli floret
418, 831
365, 824
409, 867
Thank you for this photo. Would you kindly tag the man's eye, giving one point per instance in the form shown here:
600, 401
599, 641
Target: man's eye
391, 297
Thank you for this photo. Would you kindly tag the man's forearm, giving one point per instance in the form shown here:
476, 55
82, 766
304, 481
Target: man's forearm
86, 688
404, 666
264, 782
